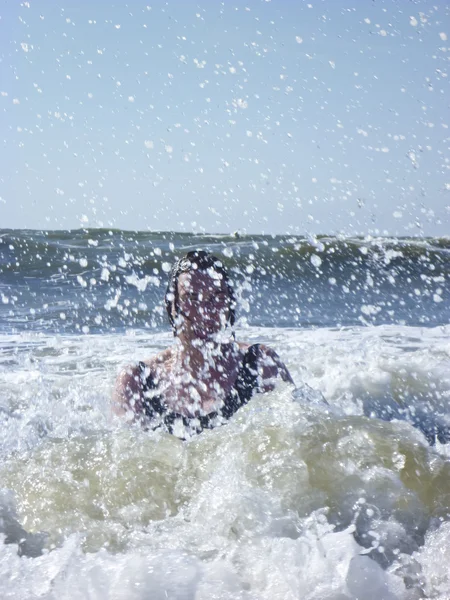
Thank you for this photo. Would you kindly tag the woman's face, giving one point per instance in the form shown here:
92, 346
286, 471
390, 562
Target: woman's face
203, 302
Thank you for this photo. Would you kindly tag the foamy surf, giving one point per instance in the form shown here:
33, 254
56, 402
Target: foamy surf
312, 497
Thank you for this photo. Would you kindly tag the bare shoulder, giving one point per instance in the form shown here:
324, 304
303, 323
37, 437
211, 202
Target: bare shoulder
132, 373
128, 389
263, 350
269, 362
161, 359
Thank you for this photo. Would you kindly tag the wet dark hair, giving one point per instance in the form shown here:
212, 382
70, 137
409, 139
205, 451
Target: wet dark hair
198, 260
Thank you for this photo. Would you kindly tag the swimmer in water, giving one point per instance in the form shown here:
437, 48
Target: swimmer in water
206, 376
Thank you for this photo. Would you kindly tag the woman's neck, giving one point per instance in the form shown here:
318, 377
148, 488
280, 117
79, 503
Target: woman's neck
199, 356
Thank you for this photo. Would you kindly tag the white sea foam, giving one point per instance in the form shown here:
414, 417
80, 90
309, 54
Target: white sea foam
291, 499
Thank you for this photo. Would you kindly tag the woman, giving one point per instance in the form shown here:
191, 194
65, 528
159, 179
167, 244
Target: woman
206, 376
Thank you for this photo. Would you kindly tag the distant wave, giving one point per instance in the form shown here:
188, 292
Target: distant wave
105, 280
42, 253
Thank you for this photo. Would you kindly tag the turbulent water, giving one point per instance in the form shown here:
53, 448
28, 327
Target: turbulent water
294, 497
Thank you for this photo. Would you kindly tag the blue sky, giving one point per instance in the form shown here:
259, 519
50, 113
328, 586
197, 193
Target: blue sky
261, 116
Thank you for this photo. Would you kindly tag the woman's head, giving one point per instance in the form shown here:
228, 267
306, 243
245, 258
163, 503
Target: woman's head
199, 295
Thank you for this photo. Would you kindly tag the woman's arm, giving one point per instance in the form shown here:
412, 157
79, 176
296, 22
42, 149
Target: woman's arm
128, 397
270, 367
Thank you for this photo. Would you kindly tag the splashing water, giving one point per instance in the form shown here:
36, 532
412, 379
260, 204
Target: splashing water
300, 498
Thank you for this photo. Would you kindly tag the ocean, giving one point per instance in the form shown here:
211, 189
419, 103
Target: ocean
339, 490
